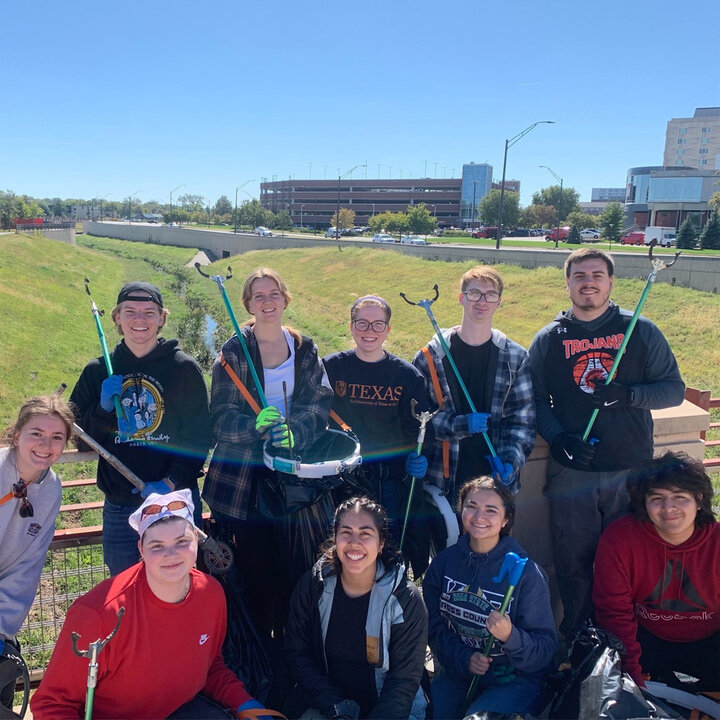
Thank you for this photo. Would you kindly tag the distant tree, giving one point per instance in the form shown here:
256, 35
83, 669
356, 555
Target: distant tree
551, 196
191, 203
283, 220
223, 206
714, 202
252, 214
380, 221
687, 235
57, 207
420, 221
347, 219
611, 221
581, 219
489, 208
574, 237
7, 209
539, 216
26, 207
397, 223
710, 236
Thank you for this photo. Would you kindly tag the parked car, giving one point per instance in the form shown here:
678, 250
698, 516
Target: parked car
332, 232
263, 231
560, 234
519, 232
634, 237
486, 232
412, 240
590, 234
383, 238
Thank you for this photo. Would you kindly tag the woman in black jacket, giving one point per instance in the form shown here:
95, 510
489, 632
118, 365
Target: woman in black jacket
357, 631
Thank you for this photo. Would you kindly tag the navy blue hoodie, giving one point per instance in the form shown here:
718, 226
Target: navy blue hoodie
459, 593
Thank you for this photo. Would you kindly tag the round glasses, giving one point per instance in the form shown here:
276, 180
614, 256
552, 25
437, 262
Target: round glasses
475, 296
377, 326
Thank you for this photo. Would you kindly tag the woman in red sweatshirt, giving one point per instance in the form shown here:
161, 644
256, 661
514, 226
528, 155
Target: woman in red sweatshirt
657, 574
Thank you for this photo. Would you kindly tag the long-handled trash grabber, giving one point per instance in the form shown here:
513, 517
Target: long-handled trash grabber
97, 314
92, 652
423, 418
425, 304
657, 265
217, 555
220, 280
512, 567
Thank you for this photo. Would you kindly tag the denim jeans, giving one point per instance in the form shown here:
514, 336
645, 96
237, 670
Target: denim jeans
522, 694
120, 541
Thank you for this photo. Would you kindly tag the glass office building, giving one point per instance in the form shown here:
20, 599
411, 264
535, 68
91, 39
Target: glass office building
476, 183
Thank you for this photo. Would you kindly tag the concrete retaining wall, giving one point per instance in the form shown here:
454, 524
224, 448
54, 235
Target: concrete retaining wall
701, 273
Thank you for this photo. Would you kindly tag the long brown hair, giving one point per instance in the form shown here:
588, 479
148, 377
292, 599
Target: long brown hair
41, 405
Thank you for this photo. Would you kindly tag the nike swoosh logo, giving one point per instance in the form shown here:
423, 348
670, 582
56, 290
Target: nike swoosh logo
569, 456
203, 639
612, 402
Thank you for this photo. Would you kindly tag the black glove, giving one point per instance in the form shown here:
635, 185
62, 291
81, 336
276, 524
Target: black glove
572, 451
613, 395
345, 710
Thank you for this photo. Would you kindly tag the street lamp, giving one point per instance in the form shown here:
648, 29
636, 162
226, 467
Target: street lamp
101, 202
235, 217
130, 205
557, 228
337, 214
172, 219
508, 144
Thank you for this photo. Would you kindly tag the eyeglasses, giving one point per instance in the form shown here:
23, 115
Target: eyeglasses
475, 296
26, 509
377, 326
157, 508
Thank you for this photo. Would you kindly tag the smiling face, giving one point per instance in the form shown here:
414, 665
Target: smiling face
139, 322
39, 444
266, 302
479, 311
369, 341
672, 511
169, 551
483, 516
358, 544
589, 285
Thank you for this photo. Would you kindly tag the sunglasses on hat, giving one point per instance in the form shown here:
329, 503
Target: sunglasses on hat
158, 508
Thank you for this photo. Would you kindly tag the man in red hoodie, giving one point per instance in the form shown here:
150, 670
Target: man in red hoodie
657, 574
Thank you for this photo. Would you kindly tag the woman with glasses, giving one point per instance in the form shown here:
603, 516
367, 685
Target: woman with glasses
168, 648
373, 393
495, 374
30, 500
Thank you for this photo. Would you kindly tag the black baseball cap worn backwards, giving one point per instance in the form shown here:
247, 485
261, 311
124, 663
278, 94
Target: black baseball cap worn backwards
140, 292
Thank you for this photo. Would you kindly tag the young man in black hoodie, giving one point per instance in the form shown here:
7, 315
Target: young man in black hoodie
164, 433
570, 360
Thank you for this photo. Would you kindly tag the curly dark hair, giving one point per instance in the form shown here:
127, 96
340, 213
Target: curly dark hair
671, 470
485, 482
388, 554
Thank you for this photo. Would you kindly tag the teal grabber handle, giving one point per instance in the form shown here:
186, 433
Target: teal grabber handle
92, 653
425, 304
657, 264
220, 280
97, 314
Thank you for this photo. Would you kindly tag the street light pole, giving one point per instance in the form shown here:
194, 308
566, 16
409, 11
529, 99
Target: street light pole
171, 192
337, 213
557, 228
301, 216
235, 216
130, 205
508, 144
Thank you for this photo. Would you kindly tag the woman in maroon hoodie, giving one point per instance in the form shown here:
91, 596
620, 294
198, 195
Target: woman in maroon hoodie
657, 574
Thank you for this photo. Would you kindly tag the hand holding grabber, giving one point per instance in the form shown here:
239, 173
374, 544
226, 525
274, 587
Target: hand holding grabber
425, 304
92, 653
423, 418
512, 567
657, 265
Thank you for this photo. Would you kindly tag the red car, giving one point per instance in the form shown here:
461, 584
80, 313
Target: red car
560, 234
635, 237
486, 232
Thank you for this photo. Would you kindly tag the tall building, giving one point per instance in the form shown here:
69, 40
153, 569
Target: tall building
694, 142
476, 183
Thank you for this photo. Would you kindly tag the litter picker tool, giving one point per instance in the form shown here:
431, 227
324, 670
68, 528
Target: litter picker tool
97, 314
220, 280
425, 304
657, 265
512, 567
423, 418
92, 652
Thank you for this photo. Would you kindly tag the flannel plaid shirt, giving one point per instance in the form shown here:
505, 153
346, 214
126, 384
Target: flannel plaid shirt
512, 422
239, 447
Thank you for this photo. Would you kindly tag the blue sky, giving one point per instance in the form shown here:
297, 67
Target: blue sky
139, 97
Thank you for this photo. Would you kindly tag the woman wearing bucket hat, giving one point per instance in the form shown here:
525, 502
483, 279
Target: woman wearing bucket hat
164, 432
166, 659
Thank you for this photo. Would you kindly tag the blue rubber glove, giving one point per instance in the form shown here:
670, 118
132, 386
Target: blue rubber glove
282, 436
502, 471
2, 646
156, 486
110, 387
268, 417
477, 422
416, 465
252, 705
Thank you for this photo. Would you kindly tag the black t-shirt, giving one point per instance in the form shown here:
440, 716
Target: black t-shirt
473, 362
345, 645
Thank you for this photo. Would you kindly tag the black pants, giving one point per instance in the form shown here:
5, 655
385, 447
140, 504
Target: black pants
200, 708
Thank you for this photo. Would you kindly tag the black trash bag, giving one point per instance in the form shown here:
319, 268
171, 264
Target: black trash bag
12, 670
597, 688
